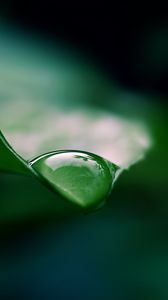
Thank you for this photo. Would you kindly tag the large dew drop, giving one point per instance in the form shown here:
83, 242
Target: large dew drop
81, 177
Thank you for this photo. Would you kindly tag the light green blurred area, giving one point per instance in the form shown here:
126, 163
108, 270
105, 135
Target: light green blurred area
118, 252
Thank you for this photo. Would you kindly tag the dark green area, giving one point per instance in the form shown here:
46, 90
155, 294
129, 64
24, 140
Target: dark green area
50, 250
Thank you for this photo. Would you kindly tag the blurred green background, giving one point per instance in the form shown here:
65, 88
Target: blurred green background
118, 252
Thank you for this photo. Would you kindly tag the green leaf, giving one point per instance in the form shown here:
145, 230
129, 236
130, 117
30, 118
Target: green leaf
49, 101
118, 141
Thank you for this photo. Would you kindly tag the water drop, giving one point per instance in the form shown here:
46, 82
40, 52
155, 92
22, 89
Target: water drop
81, 177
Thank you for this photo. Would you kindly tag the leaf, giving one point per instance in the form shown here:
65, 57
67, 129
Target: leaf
114, 138
48, 102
